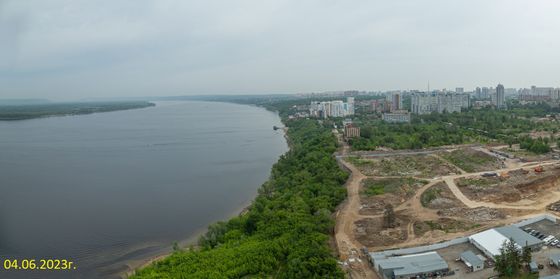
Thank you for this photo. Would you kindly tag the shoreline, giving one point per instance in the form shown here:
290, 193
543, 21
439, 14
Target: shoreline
192, 240
135, 265
69, 109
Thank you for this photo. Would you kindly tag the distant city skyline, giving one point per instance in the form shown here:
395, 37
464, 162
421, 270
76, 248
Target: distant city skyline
61, 49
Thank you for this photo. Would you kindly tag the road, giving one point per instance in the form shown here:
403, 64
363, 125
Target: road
348, 246
402, 153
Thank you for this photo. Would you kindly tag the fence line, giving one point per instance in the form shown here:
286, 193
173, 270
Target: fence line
445, 244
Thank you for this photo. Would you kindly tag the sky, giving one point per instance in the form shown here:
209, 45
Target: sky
70, 49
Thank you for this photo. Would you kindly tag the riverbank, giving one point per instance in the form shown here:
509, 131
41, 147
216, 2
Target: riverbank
31, 111
285, 232
191, 243
185, 245
156, 175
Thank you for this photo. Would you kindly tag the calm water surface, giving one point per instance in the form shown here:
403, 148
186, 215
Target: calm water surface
109, 189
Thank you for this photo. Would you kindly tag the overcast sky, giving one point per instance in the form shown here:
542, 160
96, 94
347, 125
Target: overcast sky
75, 49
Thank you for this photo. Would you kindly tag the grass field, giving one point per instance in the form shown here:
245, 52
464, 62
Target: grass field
416, 165
471, 160
374, 187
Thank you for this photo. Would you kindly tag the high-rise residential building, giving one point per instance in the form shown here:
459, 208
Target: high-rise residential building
424, 103
396, 102
380, 105
337, 109
350, 104
331, 108
556, 94
485, 92
544, 92
498, 99
538, 94
478, 93
460, 90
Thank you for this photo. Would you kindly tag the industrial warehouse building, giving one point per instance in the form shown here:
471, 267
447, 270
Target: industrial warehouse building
490, 241
472, 261
423, 265
554, 260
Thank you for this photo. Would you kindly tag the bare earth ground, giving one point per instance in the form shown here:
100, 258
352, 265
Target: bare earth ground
518, 186
422, 166
375, 204
447, 213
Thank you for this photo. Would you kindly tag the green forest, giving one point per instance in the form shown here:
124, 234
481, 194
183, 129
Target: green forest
285, 232
472, 126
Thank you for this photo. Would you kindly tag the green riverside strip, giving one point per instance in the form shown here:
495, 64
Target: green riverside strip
285, 231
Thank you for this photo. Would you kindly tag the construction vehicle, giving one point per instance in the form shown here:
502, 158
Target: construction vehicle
539, 169
489, 174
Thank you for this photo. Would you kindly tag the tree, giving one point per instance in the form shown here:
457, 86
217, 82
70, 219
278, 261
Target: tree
389, 218
508, 263
526, 255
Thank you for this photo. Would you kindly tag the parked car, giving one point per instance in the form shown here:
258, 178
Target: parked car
554, 242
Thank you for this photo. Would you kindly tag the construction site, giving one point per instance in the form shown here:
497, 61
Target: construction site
404, 200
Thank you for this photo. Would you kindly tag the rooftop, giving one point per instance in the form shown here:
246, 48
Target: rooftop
491, 240
555, 258
471, 258
519, 236
413, 264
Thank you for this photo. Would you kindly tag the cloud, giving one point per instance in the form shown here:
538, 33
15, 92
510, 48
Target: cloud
75, 49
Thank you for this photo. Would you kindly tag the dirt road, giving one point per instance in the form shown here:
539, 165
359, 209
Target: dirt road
348, 247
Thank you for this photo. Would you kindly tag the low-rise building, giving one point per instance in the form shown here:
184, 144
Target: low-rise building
397, 117
472, 261
424, 265
554, 260
490, 241
533, 267
351, 131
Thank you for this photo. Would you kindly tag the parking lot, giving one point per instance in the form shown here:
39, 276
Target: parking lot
452, 253
545, 230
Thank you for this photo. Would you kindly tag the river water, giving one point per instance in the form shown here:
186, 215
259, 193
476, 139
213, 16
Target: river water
109, 190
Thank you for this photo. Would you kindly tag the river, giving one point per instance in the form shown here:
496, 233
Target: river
109, 190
